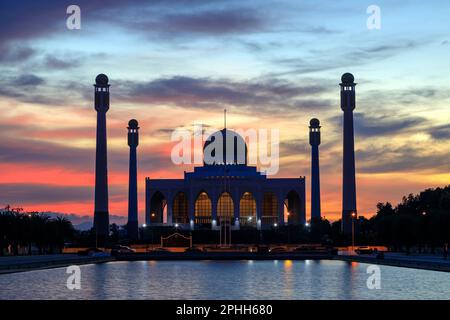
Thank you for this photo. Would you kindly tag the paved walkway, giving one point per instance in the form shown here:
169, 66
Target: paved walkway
419, 261
10, 264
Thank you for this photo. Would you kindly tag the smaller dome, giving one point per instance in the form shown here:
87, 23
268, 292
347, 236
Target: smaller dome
347, 78
315, 123
101, 80
133, 124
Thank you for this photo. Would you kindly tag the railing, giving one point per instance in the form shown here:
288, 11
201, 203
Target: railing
269, 220
203, 220
248, 221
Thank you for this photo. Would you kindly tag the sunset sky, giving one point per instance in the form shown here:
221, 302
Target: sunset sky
271, 64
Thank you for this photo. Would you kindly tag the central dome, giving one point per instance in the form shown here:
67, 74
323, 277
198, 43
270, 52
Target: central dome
233, 146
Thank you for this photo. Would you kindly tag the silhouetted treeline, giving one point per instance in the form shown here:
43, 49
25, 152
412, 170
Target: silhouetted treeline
28, 232
420, 221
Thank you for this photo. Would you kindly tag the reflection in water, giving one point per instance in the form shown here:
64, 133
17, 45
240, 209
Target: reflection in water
288, 264
325, 279
288, 280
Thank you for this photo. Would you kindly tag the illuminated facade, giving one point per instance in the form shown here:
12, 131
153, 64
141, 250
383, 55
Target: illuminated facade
228, 192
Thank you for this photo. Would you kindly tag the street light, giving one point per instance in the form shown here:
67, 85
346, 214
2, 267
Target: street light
353, 230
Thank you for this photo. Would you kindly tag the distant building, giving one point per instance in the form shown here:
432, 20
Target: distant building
225, 193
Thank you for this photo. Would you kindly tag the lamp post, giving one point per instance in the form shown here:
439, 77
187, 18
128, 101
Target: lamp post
353, 230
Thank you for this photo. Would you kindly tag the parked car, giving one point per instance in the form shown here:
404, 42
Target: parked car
364, 250
277, 250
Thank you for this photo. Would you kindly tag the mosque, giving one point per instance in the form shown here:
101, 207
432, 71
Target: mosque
227, 191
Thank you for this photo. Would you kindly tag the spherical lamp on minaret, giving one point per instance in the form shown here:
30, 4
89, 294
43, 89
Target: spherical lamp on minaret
133, 142
101, 210
348, 104
314, 141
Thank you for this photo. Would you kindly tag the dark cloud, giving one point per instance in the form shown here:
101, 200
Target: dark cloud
28, 80
373, 126
345, 57
45, 193
54, 62
405, 158
47, 154
39, 91
42, 193
24, 20
293, 147
15, 54
16, 151
214, 22
387, 101
440, 132
264, 95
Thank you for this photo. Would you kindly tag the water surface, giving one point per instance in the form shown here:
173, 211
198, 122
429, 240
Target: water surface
308, 279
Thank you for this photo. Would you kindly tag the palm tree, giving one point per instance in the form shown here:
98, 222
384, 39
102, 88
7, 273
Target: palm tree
39, 230
62, 231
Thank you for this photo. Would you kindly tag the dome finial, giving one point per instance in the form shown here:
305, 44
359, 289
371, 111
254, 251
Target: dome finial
101, 80
347, 78
314, 123
133, 124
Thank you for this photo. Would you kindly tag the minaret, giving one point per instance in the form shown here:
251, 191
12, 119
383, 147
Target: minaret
348, 182
314, 141
133, 141
101, 213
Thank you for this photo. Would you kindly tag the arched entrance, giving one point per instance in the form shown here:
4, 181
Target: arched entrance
225, 213
247, 210
269, 209
158, 207
203, 209
180, 208
292, 208
225, 206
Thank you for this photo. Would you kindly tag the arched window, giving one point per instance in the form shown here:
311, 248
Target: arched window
269, 209
203, 209
225, 207
247, 210
158, 208
292, 212
180, 208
